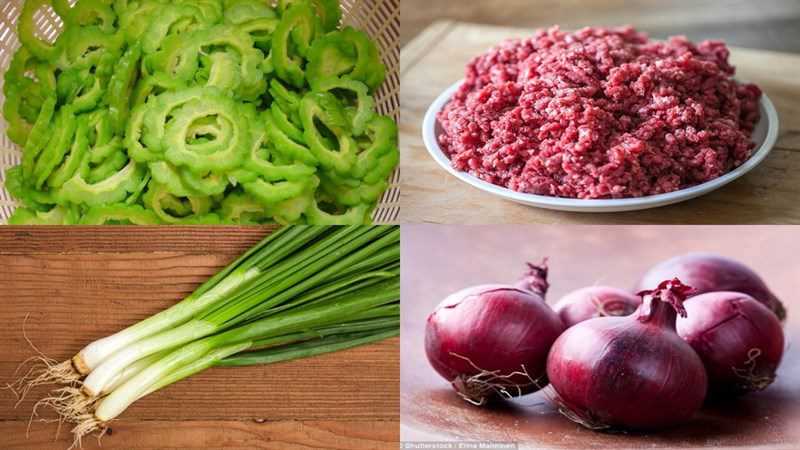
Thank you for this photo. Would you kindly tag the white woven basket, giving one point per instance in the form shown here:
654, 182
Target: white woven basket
380, 19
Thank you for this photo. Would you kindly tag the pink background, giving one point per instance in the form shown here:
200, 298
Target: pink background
438, 260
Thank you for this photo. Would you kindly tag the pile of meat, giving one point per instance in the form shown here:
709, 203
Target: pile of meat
600, 113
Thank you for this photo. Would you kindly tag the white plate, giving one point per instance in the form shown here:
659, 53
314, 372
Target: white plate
764, 135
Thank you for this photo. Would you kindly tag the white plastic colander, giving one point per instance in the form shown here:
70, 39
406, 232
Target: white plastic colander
380, 19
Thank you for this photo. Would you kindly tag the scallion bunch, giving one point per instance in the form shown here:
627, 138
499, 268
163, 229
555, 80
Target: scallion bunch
302, 291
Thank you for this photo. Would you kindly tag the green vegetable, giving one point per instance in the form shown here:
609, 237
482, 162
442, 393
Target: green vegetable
327, 10
25, 95
59, 215
347, 52
197, 111
240, 209
255, 18
74, 156
326, 132
298, 27
88, 12
101, 187
35, 200
25, 31
121, 86
173, 209
302, 291
61, 134
37, 138
354, 94
119, 214
336, 215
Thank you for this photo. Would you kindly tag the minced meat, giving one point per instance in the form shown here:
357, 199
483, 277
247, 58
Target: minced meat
599, 113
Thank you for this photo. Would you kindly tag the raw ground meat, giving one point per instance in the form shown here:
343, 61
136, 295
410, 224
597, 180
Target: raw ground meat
600, 113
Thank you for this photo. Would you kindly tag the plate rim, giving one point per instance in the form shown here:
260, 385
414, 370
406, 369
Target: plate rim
596, 205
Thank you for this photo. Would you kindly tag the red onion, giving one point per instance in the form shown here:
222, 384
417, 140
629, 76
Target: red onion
595, 301
630, 372
738, 339
492, 340
714, 273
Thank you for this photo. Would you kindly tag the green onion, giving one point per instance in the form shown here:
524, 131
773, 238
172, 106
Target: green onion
256, 261
302, 291
309, 268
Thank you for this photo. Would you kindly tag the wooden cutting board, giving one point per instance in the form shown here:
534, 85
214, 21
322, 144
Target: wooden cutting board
71, 285
438, 261
437, 58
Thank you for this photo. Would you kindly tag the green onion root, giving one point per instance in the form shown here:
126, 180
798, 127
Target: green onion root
43, 370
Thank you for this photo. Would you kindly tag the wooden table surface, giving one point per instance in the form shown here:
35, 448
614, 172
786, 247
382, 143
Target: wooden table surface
436, 58
77, 284
440, 260
763, 24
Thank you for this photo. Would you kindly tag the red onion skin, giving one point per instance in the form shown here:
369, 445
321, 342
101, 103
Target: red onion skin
630, 372
535, 279
739, 340
595, 301
714, 273
493, 328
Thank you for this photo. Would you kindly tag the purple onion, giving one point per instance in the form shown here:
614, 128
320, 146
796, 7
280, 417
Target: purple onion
738, 339
631, 372
595, 301
492, 340
714, 273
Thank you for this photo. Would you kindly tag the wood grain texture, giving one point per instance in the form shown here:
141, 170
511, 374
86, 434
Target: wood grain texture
763, 24
71, 285
154, 434
439, 260
106, 239
436, 59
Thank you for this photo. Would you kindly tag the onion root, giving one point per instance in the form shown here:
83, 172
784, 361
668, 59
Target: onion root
69, 403
43, 370
753, 381
589, 423
88, 424
479, 388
